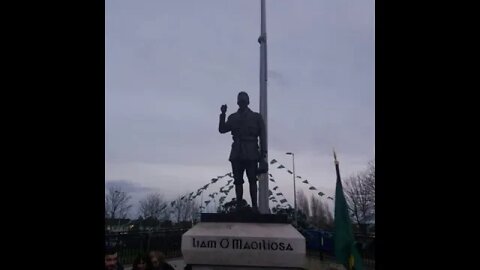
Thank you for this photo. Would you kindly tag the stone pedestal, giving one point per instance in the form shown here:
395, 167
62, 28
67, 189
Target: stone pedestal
217, 244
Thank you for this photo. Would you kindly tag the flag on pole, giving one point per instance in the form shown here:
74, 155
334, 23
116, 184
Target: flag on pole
222, 199
346, 252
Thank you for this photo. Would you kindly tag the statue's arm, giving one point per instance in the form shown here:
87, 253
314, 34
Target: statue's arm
223, 127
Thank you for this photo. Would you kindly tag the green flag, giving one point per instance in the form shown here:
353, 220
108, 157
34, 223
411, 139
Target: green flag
345, 251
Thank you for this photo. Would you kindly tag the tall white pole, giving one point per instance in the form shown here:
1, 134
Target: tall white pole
263, 180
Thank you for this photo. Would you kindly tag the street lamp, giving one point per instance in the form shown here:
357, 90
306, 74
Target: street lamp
294, 189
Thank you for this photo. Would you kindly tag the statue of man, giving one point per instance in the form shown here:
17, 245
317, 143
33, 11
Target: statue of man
246, 127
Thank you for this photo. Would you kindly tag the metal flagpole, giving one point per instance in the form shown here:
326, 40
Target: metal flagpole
263, 180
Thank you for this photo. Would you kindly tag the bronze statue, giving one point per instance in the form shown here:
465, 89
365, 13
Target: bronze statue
246, 127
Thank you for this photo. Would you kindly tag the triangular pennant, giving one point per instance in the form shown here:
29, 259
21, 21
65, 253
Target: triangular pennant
280, 167
299, 176
283, 200
275, 188
330, 198
271, 179
278, 194
321, 193
305, 181
312, 188
273, 161
290, 172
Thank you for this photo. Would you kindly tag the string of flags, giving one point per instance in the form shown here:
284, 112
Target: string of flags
281, 166
228, 186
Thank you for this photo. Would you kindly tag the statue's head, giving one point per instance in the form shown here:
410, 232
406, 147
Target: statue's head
243, 100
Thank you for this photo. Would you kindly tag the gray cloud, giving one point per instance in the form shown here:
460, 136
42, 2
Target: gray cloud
125, 185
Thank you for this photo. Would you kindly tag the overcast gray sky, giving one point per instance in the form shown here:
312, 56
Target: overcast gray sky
170, 65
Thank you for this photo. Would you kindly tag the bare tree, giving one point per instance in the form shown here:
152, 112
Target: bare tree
370, 181
328, 215
302, 203
184, 209
152, 206
321, 216
117, 203
360, 195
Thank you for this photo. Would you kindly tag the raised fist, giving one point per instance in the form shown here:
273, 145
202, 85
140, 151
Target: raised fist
224, 108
